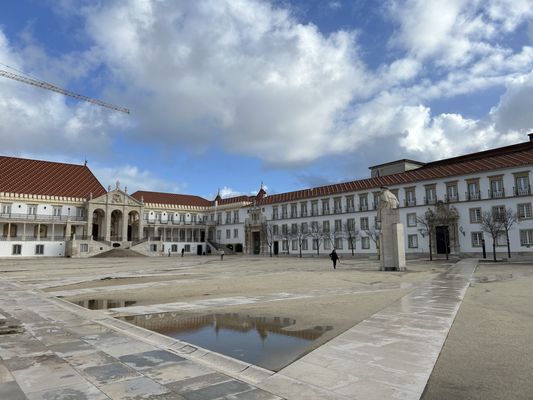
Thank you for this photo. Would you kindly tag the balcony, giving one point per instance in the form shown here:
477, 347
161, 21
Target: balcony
303, 214
350, 209
314, 213
410, 202
294, 214
337, 210
471, 196
42, 217
325, 211
496, 194
363, 207
522, 191
430, 200
451, 198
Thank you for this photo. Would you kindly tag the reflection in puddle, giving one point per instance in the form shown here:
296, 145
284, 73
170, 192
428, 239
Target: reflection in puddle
267, 342
104, 304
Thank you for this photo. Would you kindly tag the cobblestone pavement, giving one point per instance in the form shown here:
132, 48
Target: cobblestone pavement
66, 352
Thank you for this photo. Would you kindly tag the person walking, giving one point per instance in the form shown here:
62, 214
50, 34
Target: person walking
169, 252
182, 251
334, 257
221, 254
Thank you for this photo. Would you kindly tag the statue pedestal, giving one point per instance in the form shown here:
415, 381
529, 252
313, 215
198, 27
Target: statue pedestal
392, 243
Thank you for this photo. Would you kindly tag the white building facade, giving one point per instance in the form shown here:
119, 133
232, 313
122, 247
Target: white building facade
58, 218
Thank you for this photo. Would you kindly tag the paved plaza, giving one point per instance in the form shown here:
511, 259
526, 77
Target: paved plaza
388, 336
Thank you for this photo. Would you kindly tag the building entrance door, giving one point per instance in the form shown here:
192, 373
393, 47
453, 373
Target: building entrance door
443, 239
95, 232
199, 250
256, 242
276, 248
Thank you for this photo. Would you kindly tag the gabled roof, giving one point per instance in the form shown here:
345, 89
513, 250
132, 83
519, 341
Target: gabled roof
20, 175
171, 199
503, 157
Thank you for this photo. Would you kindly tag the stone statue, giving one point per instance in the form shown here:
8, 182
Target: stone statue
387, 199
391, 237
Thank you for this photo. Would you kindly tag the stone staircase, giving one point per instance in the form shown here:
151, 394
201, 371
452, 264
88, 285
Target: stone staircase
119, 253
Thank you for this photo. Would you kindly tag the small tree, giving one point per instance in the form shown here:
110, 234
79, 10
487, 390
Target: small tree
351, 233
317, 235
267, 233
301, 235
492, 224
373, 233
508, 219
286, 236
427, 222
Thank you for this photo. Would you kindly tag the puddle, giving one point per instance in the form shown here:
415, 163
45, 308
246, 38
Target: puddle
104, 304
271, 343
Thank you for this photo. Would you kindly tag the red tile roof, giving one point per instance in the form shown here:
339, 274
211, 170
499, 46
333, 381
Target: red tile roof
19, 175
503, 157
171, 199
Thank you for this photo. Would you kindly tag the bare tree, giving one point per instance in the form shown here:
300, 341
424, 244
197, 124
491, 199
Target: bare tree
427, 222
317, 235
352, 234
508, 219
300, 235
491, 222
267, 233
373, 233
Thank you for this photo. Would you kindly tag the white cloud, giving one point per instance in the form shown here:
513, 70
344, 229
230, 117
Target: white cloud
134, 179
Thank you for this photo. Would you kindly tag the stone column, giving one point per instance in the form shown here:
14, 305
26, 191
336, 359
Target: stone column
107, 222
125, 220
9, 231
38, 231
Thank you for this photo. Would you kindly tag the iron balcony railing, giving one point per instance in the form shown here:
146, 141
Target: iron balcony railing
450, 198
470, 196
32, 238
430, 200
42, 217
496, 194
410, 202
350, 209
522, 191
363, 207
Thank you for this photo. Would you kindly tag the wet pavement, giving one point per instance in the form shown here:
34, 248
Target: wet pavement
67, 352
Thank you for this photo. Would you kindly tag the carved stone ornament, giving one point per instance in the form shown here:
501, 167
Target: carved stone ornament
116, 198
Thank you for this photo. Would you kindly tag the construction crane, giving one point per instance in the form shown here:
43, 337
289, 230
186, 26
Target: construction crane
57, 89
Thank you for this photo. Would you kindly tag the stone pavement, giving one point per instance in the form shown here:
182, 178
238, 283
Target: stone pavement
67, 352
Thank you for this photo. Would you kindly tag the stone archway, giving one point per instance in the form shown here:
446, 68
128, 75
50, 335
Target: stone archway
116, 233
133, 226
98, 232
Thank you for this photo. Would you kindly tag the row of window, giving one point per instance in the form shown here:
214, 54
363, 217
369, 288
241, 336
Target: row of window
7, 208
16, 249
228, 234
322, 207
338, 226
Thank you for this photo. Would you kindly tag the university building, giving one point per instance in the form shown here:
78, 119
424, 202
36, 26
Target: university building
55, 209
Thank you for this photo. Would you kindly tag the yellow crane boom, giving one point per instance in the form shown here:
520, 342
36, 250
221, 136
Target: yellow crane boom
57, 89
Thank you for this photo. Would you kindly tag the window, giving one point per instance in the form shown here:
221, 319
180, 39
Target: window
337, 205
275, 213
6, 208
57, 211
338, 225
473, 190
522, 184
305, 228
84, 248
411, 219
294, 244
235, 217
376, 199
17, 249
303, 209
475, 215
477, 239
294, 229
325, 206
498, 213
315, 244
351, 244
412, 241
496, 187
39, 249
219, 218
314, 208
364, 223
174, 248
228, 217
526, 237
153, 247
365, 242
284, 229
338, 243
219, 235
350, 204
193, 218
501, 239
187, 248
275, 230
410, 198
325, 226
363, 202
32, 209
327, 244
524, 211
314, 226
431, 194
350, 224
285, 245
304, 244
451, 192
228, 233
235, 233
284, 211
294, 210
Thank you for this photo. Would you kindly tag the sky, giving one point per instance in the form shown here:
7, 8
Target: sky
228, 94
